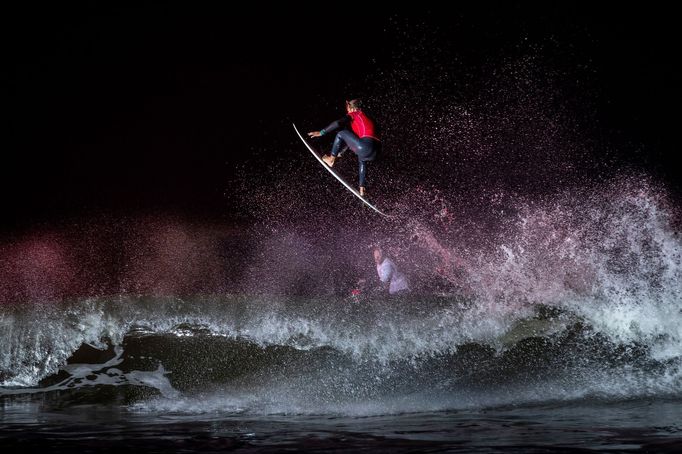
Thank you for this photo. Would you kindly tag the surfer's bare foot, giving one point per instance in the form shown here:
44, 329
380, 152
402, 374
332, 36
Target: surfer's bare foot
363, 191
329, 159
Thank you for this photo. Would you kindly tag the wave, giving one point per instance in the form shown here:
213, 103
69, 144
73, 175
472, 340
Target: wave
569, 296
320, 356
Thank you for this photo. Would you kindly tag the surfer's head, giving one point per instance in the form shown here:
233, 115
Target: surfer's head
378, 255
353, 105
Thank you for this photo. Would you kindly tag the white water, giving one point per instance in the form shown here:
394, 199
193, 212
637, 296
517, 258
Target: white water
611, 258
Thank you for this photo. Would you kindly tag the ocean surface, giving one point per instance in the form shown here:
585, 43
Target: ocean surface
243, 373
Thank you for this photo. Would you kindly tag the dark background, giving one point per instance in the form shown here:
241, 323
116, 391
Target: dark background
156, 108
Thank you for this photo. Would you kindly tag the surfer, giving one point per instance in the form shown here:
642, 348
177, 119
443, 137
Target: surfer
389, 274
362, 139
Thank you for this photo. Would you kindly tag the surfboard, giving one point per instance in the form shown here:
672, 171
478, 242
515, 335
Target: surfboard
336, 175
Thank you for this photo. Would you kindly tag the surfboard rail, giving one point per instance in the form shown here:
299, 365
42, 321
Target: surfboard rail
329, 169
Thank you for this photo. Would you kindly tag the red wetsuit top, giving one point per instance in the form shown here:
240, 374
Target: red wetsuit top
362, 126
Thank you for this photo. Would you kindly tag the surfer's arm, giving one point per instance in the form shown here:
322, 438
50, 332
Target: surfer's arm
333, 126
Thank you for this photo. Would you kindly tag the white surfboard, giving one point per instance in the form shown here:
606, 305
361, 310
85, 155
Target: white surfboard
329, 169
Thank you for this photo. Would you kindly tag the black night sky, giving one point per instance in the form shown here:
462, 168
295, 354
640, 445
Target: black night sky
157, 107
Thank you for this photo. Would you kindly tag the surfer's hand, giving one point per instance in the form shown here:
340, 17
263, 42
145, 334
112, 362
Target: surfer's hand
314, 134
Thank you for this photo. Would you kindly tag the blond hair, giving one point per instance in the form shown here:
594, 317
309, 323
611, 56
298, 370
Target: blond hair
354, 104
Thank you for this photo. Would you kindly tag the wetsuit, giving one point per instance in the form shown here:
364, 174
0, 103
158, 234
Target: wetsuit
362, 139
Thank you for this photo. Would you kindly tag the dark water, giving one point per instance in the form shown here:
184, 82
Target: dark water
644, 425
